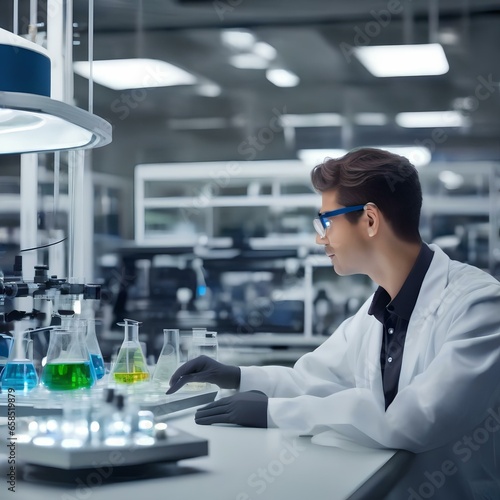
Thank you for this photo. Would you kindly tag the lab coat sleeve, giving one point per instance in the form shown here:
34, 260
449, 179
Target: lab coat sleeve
322, 372
445, 401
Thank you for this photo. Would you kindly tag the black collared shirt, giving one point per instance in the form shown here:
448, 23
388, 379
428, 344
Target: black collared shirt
395, 317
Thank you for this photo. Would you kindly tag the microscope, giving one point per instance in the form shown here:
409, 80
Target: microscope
66, 298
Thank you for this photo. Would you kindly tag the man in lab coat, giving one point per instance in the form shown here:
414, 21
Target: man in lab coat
416, 368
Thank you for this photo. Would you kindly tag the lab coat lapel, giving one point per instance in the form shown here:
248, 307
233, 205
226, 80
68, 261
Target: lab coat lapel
420, 328
369, 375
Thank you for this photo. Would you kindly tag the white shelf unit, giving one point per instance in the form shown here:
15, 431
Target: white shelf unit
189, 194
196, 190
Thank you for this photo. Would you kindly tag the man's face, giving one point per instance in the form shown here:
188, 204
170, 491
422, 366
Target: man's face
344, 242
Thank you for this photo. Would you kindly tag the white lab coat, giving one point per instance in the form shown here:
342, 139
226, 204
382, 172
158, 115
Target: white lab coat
449, 381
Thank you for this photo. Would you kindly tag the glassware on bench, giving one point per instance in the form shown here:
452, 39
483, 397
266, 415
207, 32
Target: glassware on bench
130, 366
169, 358
68, 365
19, 372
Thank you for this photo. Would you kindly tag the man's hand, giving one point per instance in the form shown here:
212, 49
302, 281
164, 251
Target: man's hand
205, 369
248, 409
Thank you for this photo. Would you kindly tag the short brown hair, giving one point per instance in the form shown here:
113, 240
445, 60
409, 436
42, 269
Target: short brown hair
386, 179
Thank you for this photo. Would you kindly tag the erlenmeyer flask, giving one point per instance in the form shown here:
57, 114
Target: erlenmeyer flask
19, 373
94, 349
68, 365
130, 365
169, 358
78, 326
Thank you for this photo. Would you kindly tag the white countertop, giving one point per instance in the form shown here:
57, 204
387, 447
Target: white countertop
243, 464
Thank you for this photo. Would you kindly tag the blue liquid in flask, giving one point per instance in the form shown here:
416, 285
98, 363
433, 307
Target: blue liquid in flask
20, 376
98, 364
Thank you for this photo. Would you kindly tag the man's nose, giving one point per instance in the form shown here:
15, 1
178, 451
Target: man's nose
320, 240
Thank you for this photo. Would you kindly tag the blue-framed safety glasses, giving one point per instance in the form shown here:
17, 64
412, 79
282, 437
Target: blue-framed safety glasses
322, 222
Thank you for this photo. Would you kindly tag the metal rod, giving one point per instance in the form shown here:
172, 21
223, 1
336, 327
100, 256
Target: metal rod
68, 52
408, 23
90, 33
77, 233
15, 18
33, 28
433, 20
57, 168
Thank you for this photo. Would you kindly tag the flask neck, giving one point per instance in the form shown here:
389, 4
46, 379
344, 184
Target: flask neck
20, 347
131, 333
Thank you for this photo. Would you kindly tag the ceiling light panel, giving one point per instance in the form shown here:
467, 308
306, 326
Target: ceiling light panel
403, 60
430, 119
238, 39
282, 77
371, 119
419, 156
248, 61
122, 74
265, 51
312, 120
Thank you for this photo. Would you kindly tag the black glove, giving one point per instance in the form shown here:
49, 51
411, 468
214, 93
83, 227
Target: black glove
248, 409
205, 369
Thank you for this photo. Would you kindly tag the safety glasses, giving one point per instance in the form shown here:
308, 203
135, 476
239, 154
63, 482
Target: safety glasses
322, 222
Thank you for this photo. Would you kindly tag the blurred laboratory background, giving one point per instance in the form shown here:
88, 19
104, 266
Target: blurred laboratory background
199, 212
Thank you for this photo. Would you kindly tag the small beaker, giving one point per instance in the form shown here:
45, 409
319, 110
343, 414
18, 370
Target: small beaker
19, 373
68, 366
203, 342
169, 358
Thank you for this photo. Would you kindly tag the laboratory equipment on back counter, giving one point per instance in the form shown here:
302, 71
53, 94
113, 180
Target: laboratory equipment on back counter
68, 365
130, 366
19, 372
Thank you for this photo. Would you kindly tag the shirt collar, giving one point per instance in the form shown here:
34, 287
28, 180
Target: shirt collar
403, 304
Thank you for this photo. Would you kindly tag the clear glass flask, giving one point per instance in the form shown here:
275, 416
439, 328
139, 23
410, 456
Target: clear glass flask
68, 366
93, 348
19, 373
130, 366
78, 326
169, 358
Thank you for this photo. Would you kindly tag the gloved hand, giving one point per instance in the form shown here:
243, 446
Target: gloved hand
248, 409
205, 369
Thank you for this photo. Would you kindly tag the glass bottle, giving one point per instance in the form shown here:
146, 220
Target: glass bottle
19, 373
169, 358
94, 349
68, 365
130, 366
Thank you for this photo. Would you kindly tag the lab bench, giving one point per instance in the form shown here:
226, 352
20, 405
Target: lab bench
242, 464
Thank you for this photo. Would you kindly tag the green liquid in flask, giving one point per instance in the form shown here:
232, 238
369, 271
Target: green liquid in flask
67, 376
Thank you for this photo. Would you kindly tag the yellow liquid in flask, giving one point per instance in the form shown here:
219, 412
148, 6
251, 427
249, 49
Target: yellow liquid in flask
130, 367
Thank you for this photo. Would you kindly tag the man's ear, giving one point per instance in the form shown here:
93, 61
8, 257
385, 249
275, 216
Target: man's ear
372, 214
